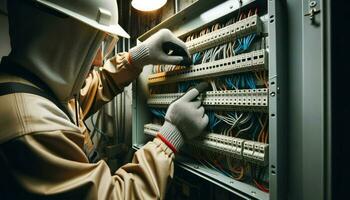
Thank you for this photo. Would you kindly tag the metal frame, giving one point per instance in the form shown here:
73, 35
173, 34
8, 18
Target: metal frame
277, 99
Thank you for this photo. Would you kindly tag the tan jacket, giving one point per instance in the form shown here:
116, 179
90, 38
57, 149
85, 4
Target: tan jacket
41, 151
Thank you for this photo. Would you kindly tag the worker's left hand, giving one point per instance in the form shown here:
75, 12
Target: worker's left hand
161, 48
185, 118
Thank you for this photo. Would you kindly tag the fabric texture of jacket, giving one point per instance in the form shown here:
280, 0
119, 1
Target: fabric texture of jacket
41, 151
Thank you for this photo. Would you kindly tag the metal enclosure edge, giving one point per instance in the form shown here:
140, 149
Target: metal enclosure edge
278, 83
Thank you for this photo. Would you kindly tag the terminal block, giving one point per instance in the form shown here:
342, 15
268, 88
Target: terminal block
252, 61
255, 152
251, 151
254, 99
229, 33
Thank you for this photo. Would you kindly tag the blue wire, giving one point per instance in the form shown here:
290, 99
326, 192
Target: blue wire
229, 82
158, 113
253, 82
248, 80
244, 43
238, 49
244, 81
196, 58
251, 39
240, 81
213, 121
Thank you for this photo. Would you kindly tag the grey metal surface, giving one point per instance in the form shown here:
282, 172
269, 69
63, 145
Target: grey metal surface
306, 116
195, 16
294, 136
140, 112
277, 99
313, 105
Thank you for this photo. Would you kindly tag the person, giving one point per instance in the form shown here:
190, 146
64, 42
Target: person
42, 135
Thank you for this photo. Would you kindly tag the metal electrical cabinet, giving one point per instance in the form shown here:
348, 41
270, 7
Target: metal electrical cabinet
270, 24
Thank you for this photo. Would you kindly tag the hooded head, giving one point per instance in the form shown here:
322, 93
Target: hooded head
56, 46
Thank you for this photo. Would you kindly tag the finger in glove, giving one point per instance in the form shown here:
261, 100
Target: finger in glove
174, 49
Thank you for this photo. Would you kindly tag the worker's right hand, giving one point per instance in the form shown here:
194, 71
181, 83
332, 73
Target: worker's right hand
161, 48
184, 119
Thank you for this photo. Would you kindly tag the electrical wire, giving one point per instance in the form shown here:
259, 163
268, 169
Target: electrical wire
96, 128
234, 124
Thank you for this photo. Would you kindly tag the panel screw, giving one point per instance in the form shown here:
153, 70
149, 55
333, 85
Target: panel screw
312, 4
272, 94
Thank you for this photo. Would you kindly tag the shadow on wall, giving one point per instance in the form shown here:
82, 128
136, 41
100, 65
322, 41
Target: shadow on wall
4, 36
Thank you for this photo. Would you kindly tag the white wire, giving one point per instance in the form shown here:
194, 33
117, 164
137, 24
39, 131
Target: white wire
213, 85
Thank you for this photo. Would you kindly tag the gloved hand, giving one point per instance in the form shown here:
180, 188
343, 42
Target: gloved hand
161, 48
184, 119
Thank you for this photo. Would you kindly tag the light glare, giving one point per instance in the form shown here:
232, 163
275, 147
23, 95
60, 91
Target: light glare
148, 5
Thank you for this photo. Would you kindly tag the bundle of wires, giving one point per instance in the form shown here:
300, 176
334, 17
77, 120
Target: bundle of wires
263, 135
262, 77
196, 58
182, 87
213, 120
236, 120
241, 81
159, 113
236, 167
243, 44
186, 85
257, 177
165, 68
247, 125
209, 160
96, 129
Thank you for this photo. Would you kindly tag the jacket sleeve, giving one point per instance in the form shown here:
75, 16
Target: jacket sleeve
105, 83
52, 165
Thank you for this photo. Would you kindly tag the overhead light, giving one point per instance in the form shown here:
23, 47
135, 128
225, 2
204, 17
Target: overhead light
148, 5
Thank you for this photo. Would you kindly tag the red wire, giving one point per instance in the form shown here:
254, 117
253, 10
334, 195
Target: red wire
217, 163
261, 187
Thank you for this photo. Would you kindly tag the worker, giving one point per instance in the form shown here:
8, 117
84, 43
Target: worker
42, 137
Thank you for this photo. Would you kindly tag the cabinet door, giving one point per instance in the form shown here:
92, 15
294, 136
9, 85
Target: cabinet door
313, 101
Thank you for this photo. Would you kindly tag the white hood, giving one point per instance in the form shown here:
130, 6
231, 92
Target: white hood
58, 49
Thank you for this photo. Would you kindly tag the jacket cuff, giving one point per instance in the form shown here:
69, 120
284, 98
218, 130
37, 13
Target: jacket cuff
139, 55
171, 136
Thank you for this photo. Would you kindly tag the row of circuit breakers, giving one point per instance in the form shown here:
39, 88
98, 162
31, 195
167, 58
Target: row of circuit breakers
232, 102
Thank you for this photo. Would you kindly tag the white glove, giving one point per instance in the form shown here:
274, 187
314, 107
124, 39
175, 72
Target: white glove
184, 119
161, 48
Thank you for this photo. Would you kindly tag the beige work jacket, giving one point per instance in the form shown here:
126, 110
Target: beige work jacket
41, 151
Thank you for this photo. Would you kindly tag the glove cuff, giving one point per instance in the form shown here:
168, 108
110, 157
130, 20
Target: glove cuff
139, 55
172, 135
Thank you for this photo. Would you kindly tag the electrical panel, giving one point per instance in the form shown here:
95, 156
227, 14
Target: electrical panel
231, 53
